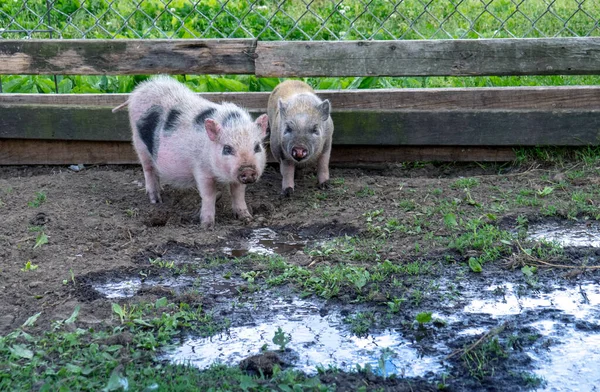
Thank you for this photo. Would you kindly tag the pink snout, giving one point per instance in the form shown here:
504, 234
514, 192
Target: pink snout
247, 175
299, 153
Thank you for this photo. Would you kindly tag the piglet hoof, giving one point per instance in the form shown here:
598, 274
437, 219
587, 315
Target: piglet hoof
325, 185
208, 224
244, 216
287, 192
155, 198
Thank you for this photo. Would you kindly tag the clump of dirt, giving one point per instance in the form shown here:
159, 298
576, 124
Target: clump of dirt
262, 364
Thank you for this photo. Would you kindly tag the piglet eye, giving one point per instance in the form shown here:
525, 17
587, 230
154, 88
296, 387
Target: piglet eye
257, 148
288, 129
315, 131
227, 150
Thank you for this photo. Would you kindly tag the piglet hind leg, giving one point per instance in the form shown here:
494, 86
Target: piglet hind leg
287, 172
238, 202
323, 169
208, 192
151, 179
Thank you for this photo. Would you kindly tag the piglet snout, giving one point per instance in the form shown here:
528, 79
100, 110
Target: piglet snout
299, 153
247, 175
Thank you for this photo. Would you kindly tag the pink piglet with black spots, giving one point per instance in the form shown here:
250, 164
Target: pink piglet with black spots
187, 141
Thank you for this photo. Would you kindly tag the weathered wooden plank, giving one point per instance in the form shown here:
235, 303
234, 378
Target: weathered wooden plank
60, 152
550, 98
352, 126
468, 127
127, 57
63, 123
551, 56
67, 152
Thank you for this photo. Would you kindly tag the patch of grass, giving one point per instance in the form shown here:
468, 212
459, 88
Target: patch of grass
131, 212
589, 155
366, 191
330, 281
360, 323
465, 183
349, 248
481, 362
487, 240
39, 199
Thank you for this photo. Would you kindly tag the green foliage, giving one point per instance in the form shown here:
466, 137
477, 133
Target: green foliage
40, 240
488, 240
40, 198
360, 323
424, 317
29, 266
281, 338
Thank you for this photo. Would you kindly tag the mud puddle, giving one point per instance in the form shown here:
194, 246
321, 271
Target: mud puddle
206, 282
267, 242
567, 234
568, 320
317, 340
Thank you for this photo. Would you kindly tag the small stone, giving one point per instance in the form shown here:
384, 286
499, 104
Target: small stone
35, 284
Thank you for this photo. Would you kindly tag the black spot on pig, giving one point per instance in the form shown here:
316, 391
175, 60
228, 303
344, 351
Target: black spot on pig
203, 115
231, 116
147, 127
172, 120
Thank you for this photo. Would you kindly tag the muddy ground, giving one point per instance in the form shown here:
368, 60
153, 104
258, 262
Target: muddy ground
101, 227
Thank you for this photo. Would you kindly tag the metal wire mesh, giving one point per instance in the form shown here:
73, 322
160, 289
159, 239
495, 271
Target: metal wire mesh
299, 19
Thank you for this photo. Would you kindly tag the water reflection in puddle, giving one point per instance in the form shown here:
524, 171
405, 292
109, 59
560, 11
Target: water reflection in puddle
578, 301
566, 234
129, 287
267, 242
572, 361
316, 341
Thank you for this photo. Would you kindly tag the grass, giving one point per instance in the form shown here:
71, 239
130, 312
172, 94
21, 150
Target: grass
350, 20
38, 200
65, 357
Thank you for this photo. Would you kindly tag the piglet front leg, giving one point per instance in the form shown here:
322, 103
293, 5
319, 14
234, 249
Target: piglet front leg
287, 172
208, 192
238, 202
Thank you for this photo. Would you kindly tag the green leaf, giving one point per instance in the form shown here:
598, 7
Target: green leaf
232, 85
65, 86
424, 317
73, 368
450, 220
41, 239
528, 271
73, 317
475, 265
44, 84
116, 381
31, 320
247, 382
142, 322
161, 302
21, 351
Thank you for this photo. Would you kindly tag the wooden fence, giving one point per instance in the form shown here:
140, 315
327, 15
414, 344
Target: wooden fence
480, 124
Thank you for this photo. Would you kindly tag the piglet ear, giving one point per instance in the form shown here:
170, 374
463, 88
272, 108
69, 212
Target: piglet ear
263, 124
325, 109
213, 129
281, 106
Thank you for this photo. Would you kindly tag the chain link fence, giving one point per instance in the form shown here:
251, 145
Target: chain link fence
299, 19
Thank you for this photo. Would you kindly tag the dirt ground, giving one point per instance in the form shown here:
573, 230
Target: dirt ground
99, 221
